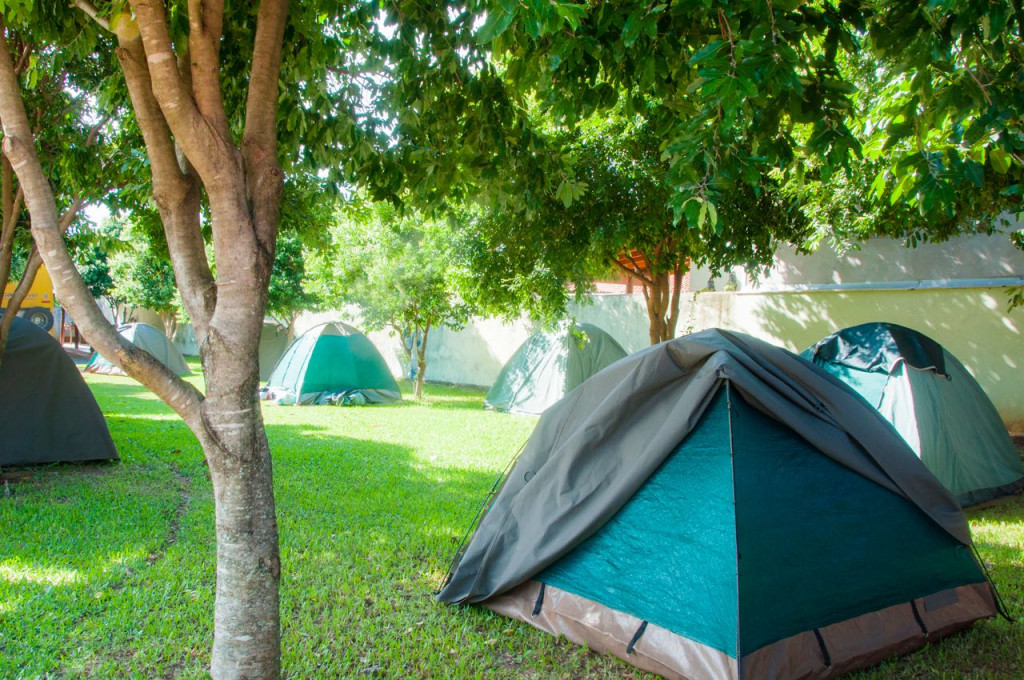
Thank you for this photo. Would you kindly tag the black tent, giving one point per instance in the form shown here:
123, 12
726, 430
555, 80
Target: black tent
48, 412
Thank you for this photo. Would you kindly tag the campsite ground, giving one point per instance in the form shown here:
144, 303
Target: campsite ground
106, 571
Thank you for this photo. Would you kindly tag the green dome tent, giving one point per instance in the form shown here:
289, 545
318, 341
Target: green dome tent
938, 407
49, 413
714, 508
330, 363
148, 338
273, 343
549, 365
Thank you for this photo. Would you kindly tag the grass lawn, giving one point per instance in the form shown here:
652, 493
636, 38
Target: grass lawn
107, 570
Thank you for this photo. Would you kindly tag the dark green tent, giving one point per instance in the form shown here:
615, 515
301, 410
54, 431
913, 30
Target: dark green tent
148, 338
332, 363
928, 395
49, 413
714, 507
549, 365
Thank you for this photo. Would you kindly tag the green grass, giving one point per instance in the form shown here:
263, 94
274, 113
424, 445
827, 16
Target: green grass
107, 570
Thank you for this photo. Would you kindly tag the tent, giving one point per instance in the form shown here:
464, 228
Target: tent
273, 343
148, 338
715, 507
938, 407
49, 413
549, 365
330, 362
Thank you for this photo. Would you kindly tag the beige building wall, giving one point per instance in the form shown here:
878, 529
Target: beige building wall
954, 292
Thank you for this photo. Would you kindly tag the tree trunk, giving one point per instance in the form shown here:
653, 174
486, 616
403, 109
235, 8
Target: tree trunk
184, 112
421, 363
246, 641
662, 295
170, 322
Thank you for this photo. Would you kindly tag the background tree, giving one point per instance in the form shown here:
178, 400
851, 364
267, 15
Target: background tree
288, 294
750, 90
69, 147
398, 270
143, 280
614, 215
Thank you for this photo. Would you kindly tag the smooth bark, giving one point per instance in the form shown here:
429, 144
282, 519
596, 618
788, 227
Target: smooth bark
661, 290
421, 362
179, 110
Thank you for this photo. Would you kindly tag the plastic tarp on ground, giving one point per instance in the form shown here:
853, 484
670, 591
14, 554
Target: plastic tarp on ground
932, 400
727, 494
332, 359
49, 413
549, 365
147, 338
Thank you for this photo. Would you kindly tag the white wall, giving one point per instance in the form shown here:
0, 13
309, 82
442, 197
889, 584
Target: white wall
954, 292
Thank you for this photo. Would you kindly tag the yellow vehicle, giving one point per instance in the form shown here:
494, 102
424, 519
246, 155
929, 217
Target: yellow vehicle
38, 305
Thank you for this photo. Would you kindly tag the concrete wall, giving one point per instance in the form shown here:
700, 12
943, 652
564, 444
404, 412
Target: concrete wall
970, 323
883, 260
954, 292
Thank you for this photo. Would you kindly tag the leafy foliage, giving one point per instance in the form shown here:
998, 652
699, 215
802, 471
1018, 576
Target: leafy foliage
287, 295
398, 270
928, 95
618, 218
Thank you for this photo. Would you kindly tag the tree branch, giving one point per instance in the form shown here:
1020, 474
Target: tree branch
175, 191
18, 145
206, 23
192, 130
259, 139
93, 13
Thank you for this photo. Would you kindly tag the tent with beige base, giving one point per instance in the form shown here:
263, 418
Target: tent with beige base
715, 507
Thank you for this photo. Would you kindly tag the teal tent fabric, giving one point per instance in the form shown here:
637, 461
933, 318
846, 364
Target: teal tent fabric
549, 365
734, 496
332, 359
147, 338
820, 544
49, 413
733, 540
690, 496
932, 400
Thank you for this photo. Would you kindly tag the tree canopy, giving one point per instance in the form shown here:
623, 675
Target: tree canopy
929, 95
617, 220
399, 270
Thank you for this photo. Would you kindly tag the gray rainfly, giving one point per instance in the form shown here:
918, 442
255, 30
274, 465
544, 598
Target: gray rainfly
715, 507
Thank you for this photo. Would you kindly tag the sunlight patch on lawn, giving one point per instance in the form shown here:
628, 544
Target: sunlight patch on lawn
12, 572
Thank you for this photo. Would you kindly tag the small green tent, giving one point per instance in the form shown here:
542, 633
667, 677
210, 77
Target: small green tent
938, 407
717, 508
549, 365
330, 363
147, 338
273, 343
49, 413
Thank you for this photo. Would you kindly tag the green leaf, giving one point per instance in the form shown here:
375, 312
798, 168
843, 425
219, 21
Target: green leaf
573, 14
631, 29
496, 24
1000, 160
